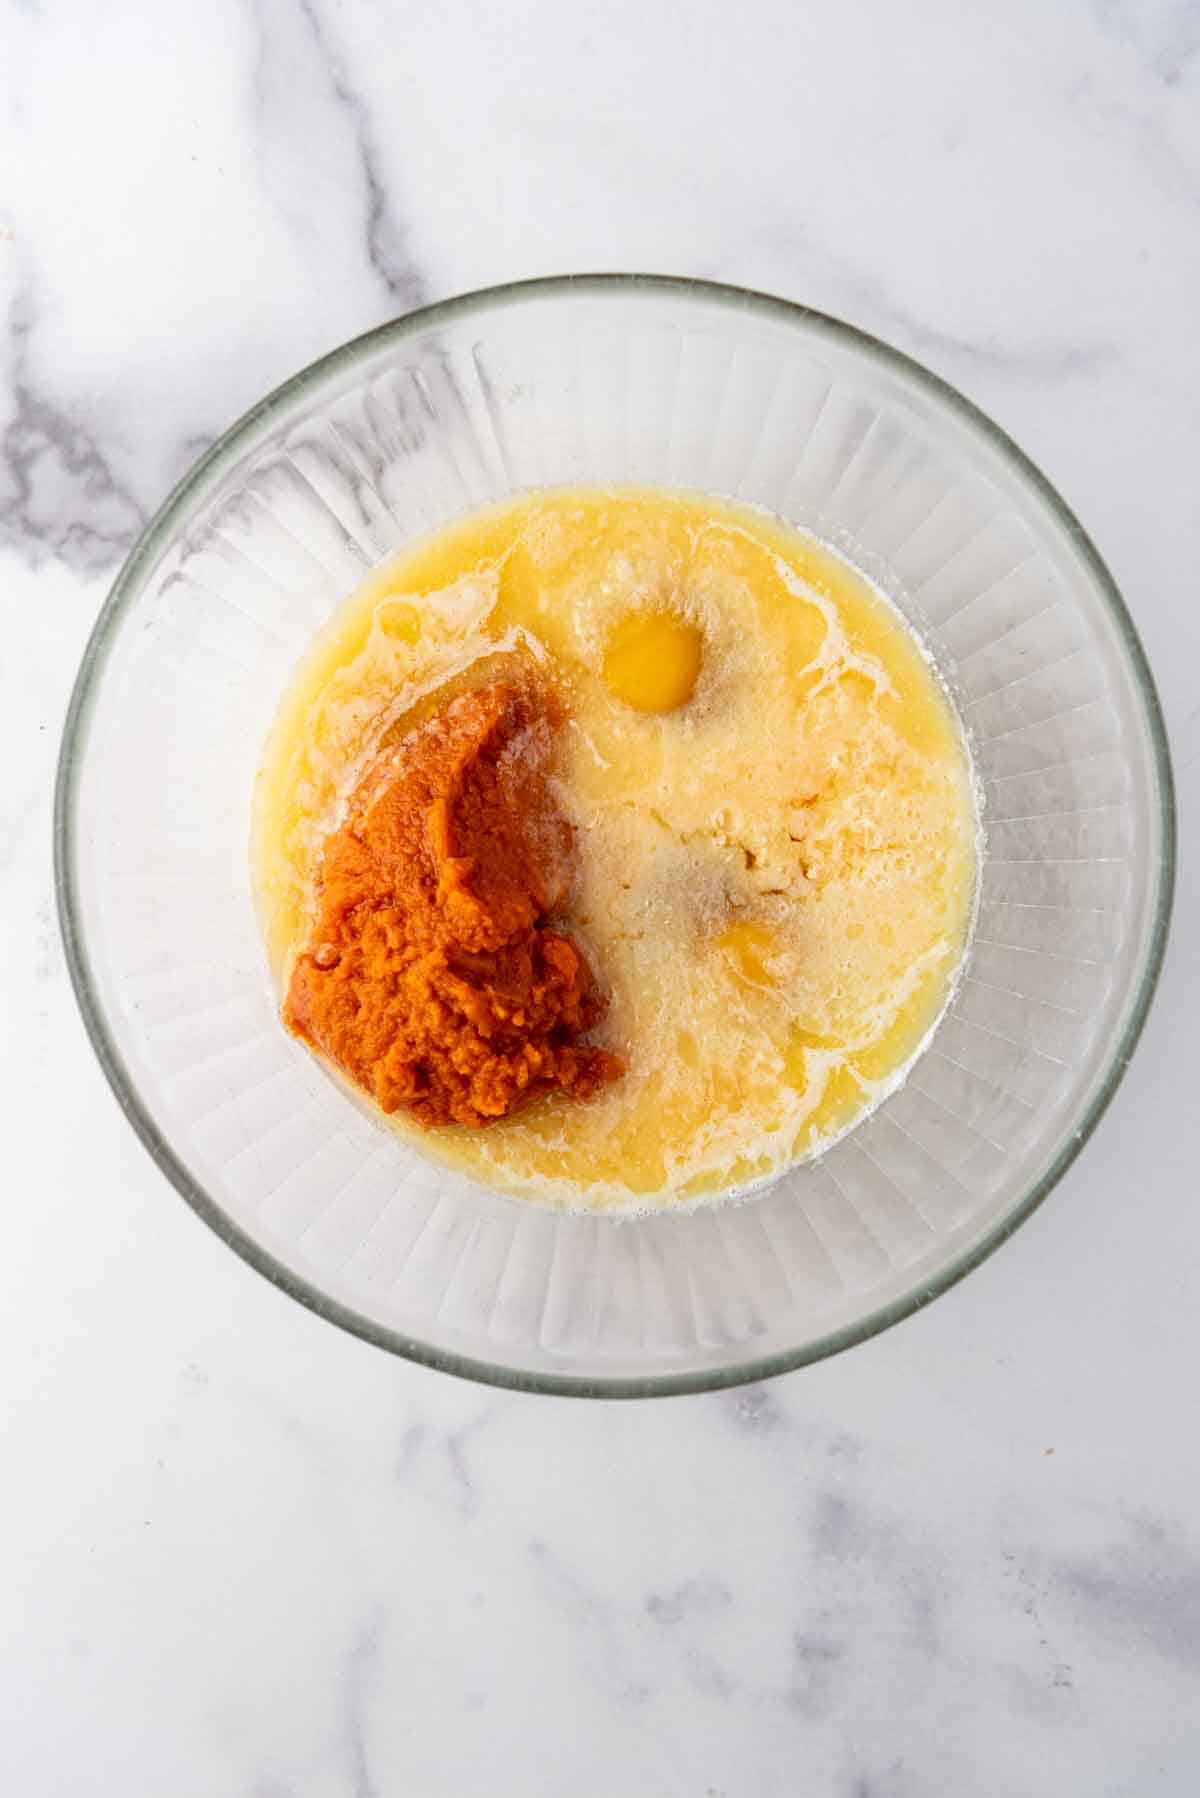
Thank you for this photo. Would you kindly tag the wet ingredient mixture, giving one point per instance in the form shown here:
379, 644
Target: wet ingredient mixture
750, 878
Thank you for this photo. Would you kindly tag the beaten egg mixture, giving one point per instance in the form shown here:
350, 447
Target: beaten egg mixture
766, 802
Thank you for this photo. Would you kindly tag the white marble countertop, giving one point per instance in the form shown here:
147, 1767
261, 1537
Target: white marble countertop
245, 1554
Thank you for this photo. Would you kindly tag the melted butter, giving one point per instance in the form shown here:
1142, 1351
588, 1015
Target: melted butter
775, 826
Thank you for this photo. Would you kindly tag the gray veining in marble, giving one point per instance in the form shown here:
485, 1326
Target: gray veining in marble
59, 495
245, 1554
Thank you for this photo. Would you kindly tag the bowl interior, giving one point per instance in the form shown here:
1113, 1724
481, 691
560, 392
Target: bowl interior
612, 381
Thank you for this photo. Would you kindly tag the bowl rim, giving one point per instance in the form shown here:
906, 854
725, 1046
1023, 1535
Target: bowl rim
202, 478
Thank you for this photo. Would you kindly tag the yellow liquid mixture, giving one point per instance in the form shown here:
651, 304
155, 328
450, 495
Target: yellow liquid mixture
775, 824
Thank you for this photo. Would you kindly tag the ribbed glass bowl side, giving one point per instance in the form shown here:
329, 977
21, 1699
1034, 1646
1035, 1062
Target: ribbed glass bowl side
612, 381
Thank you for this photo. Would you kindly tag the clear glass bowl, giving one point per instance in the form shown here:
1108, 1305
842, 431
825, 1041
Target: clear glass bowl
612, 380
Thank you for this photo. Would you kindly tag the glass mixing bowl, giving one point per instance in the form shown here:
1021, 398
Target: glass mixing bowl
611, 380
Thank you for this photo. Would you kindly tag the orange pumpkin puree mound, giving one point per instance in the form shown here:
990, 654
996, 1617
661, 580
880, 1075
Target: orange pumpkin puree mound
432, 978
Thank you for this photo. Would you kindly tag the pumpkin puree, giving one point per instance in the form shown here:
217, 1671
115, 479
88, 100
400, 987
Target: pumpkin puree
431, 977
